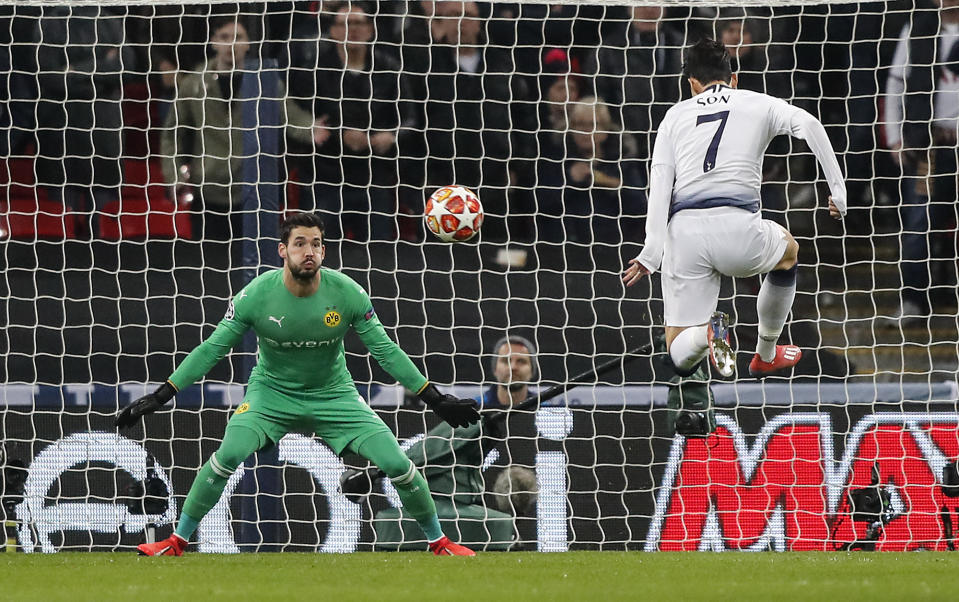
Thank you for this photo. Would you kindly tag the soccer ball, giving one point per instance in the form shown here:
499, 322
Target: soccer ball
453, 214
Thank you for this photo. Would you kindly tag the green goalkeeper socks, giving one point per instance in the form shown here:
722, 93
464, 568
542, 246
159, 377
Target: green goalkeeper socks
204, 494
417, 501
383, 451
186, 526
238, 444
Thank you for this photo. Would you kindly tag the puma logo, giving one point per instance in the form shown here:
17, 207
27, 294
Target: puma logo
279, 321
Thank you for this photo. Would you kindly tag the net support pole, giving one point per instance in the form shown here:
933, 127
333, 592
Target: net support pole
261, 189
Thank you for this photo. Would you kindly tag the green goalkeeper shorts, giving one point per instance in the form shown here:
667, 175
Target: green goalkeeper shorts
338, 418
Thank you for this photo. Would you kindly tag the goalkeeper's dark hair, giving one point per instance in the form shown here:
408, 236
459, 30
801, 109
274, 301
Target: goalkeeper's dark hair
517, 340
307, 220
707, 61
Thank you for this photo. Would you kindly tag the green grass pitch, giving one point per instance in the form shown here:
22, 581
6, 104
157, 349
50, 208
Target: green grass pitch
605, 576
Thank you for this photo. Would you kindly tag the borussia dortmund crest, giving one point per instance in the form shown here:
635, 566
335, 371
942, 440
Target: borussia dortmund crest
332, 319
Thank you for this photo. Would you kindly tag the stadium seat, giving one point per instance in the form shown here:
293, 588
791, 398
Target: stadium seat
25, 211
134, 218
144, 210
29, 218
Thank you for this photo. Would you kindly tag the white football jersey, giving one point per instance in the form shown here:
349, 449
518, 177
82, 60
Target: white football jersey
709, 153
716, 142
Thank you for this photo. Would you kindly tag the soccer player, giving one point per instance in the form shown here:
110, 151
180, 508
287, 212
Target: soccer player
703, 218
300, 314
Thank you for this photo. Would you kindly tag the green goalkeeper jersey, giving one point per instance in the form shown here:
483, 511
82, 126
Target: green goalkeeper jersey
300, 339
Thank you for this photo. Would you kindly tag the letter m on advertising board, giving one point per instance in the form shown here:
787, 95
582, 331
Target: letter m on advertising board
788, 490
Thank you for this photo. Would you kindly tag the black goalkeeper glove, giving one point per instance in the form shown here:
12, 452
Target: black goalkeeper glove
145, 405
455, 411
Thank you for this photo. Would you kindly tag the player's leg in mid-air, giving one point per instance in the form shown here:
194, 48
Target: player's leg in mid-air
687, 346
773, 304
705, 244
690, 293
363, 432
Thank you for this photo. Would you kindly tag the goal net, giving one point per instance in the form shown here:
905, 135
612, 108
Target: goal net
150, 151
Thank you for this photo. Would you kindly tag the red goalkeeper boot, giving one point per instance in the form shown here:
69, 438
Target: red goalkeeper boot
173, 545
787, 356
721, 353
445, 547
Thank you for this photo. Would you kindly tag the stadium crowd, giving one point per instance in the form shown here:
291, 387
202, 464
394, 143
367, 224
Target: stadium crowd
549, 111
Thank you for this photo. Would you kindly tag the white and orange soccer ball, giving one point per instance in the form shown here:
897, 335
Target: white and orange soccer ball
453, 214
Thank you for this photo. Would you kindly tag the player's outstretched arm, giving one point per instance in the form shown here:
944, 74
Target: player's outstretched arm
147, 404
661, 176
809, 128
228, 333
455, 411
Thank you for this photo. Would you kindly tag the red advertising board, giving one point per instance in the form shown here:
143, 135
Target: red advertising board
788, 489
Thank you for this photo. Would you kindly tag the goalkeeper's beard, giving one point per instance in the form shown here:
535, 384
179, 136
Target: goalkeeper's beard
304, 275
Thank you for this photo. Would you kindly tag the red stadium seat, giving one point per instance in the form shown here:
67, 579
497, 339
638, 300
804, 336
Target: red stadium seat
144, 210
134, 218
25, 211
29, 218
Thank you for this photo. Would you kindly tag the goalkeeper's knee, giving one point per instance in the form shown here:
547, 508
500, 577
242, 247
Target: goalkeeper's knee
401, 479
239, 443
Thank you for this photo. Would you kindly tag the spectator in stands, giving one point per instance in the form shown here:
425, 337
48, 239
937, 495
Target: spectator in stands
514, 368
163, 90
860, 42
748, 64
922, 116
636, 73
597, 188
360, 90
476, 116
453, 460
749, 61
560, 85
81, 60
579, 27
202, 140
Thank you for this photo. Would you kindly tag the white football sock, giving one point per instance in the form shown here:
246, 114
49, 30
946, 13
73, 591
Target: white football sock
689, 348
773, 307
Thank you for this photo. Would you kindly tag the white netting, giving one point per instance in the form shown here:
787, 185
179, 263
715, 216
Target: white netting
150, 150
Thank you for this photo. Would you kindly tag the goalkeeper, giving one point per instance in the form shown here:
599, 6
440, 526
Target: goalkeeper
300, 382
452, 459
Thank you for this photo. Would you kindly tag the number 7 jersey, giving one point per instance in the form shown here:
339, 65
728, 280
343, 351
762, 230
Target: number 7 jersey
709, 152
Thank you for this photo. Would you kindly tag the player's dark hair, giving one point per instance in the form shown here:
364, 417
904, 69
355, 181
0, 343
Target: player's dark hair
307, 220
707, 61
